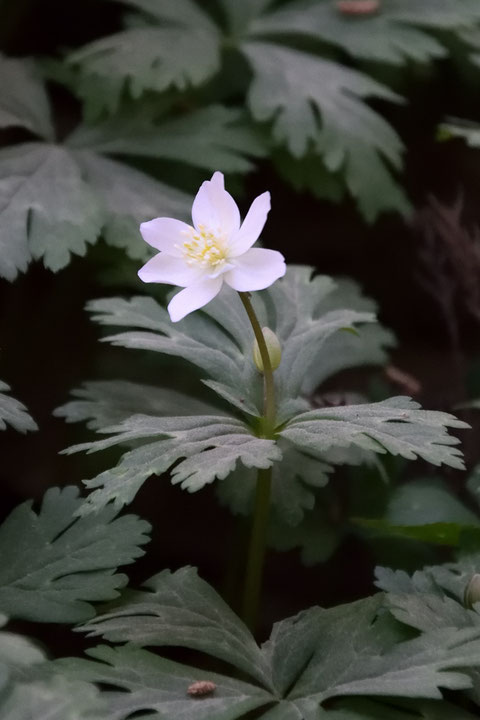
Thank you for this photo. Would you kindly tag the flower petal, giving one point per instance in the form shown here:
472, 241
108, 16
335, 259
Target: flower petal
215, 208
166, 234
194, 297
252, 226
163, 268
256, 269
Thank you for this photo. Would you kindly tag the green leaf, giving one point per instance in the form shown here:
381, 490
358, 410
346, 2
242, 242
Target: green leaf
110, 402
23, 102
221, 352
14, 413
303, 312
131, 199
181, 609
397, 426
427, 501
432, 598
159, 686
318, 655
55, 565
316, 536
53, 699
54, 203
145, 58
55, 200
30, 687
384, 37
425, 510
16, 652
470, 132
290, 87
295, 481
209, 447
46, 208
213, 138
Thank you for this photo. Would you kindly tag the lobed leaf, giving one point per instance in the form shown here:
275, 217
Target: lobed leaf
55, 565
293, 89
396, 426
14, 413
354, 650
396, 35
210, 138
23, 102
208, 447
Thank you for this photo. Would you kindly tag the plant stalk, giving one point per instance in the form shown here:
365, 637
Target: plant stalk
257, 549
269, 393
258, 535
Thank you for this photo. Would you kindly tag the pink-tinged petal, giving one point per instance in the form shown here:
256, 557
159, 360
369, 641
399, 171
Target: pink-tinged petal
252, 226
215, 208
164, 268
166, 234
193, 297
257, 269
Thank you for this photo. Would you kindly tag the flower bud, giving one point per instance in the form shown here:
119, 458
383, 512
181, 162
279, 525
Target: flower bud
274, 350
472, 592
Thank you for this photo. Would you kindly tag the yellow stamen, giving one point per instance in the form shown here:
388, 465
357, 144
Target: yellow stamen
204, 248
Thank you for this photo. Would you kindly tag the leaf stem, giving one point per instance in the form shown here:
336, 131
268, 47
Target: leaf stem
257, 549
269, 411
258, 535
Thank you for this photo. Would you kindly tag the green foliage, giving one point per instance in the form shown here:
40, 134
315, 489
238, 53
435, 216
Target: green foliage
55, 565
209, 138
55, 200
305, 314
30, 687
314, 103
210, 447
318, 655
13, 412
396, 426
395, 35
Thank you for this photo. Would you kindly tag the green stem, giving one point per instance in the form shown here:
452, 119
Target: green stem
258, 536
257, 549
269, 395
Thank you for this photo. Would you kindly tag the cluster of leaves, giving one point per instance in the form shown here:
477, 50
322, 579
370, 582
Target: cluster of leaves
222, 440
388, 656
173, 86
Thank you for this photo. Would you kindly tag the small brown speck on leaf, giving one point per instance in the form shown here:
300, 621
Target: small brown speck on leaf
201, 688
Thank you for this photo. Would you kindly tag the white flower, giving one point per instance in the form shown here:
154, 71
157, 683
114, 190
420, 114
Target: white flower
215, 250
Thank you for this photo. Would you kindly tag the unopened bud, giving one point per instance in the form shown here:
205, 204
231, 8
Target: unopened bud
274, 350
472, 592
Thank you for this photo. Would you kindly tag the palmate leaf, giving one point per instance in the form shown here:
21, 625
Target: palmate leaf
110, 402
211, 138
55, 200
219, 341
210, 447
54, 565
292, 88
304, 312
289, 87
13, 412
184, 53
397, 426
395, 35
351, 650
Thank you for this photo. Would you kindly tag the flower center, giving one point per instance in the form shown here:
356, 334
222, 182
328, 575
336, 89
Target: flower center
204, 248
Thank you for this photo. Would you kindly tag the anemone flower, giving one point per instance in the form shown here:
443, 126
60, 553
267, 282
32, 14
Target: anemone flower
216, 249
